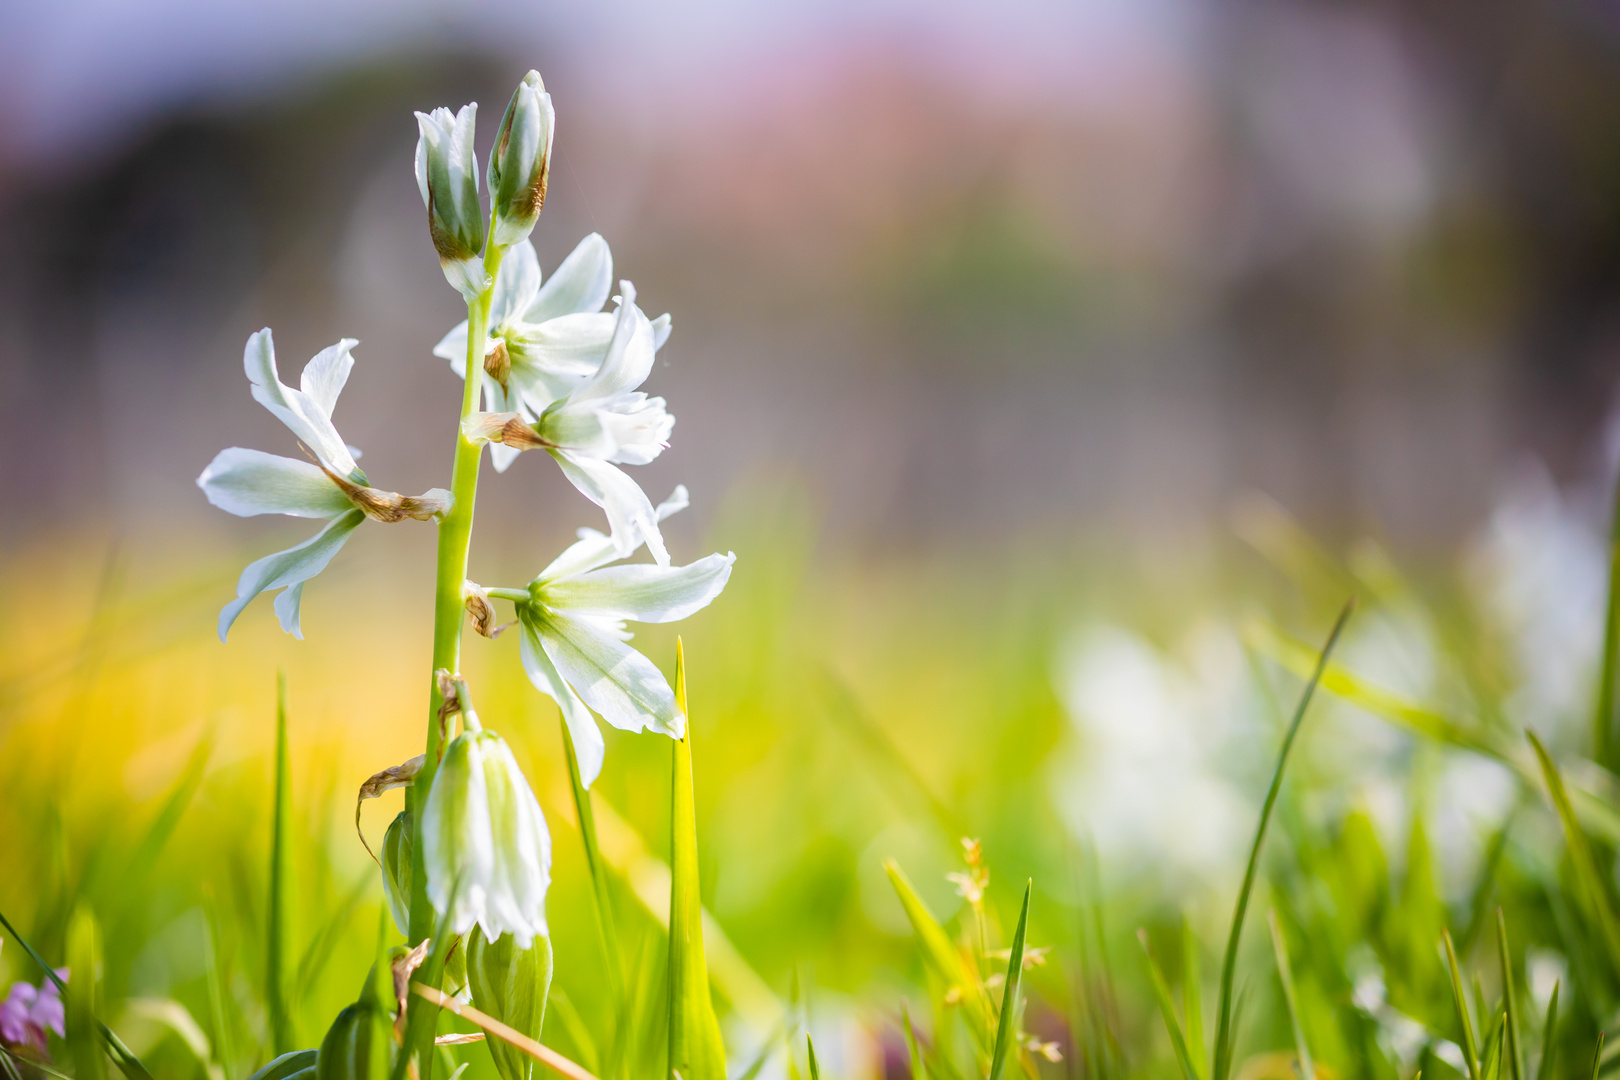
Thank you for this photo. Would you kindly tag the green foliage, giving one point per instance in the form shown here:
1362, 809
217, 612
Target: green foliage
83, 998
276, 944
510, 984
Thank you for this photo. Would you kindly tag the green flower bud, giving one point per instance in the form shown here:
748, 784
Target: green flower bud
447, 176
485, 841
520, 164
297, 1065
397, 846
345, 1053
510, 983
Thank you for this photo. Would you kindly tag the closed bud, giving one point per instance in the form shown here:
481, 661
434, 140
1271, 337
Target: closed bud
510, 983
345, 1053
396, 866
447, 175
520, 164
485, 842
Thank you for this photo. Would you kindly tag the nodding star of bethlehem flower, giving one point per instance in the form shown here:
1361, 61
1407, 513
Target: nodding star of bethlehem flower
248, 482
573, 642
599, 424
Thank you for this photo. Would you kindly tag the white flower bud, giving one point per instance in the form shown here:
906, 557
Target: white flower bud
520, 164
484, 840
447, 176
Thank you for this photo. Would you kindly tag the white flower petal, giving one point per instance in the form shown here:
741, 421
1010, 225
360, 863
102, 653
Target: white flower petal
248, 482
302, 413
326, 373
640, 592
660, 328
287, 605
515, 901
290, 567
594, 549
569, 344
630, 514
617, 681
589, 746
629, 357
515, 284
453, 347
581, 283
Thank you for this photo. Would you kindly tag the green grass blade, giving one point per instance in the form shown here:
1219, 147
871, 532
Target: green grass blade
1603, 734
1597, 1055
1223, 1021
1492, 1059
1459, 997
1192, 1005
219, 1021
319, 950
1512, 1038
1548, 1045
601, 887
1167, 1007
1007, 1023
282, 1038
1593, 889
940, 955
1307, 1067
810, 1054
127, 1062
83, 998
695, 1049
918, 1070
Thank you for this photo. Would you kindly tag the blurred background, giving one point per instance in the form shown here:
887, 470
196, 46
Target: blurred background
1026, 354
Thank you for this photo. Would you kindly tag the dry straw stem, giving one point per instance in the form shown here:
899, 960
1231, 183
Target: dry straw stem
540, 1052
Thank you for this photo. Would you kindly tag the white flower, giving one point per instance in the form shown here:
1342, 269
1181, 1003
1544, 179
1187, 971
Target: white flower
598, 425
248, 482
485, 844
447, 176
573, 641
520, 163
544, 338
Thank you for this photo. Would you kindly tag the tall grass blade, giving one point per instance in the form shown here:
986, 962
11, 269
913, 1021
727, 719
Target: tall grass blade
695, 1049
1192, 1005
1603, 733
940, 955
1593, 888
1549, 1047
282, 1039
914, 1051
1307, 1067
83, 999
1223, 1021
224, 1045
1597, 1055
1459, 997
1167, 1007
127, 1062
157, 835
810, 1055
1007, 1023
601, 887
1513, 1044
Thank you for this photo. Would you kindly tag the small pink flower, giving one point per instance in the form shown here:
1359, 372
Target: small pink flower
29, 1012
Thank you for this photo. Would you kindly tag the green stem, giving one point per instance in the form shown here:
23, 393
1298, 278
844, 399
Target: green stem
517, 596
1603, 739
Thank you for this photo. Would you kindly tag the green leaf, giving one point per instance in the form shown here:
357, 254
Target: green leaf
1549, 1047
83, 1000
1167, 1008
1224, 1026
939, 954
695, 1049
277, 944
1597, 1055
1007, 1024
1605, 746
810, 1053
1593, 890
510, 984
918, 1070
224, 1046
1307, 1067
1513, 1048
296, 1065
1459, 997
601, 887
1192, 1006
345, 1053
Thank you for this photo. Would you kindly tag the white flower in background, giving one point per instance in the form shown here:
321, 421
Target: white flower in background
520, 164
248, 482
598, 425
447, 176
572, 639
485, 844
544, 338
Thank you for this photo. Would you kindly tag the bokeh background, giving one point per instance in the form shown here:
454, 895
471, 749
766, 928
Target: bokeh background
1025, 353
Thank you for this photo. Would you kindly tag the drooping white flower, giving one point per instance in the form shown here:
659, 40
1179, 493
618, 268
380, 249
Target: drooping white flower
333, 487
545, 337
520, 163
447, 176
485, 844
573, 643
599, 424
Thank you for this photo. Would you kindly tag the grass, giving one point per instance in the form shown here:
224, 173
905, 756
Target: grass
167, 809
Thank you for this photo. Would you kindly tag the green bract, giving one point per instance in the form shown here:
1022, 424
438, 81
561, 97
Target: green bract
396, 867
510, 983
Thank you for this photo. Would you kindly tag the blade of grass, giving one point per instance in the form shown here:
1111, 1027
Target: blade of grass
1167, 1007
1514, 1051
606, 922
695, 1049
1307, 1068
1580, 853
282, 1038
319, 951
224, 1047
939, 954
810, 1054
918, 1070
127, 1062
1603, 735
83, 998
1223, 1022
1192, 1006
1597, 1055
1007, 1023
1459, 997
1494, 1043
1548, 1045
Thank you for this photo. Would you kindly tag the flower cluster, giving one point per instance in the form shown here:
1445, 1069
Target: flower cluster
30, 1011
556, 372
